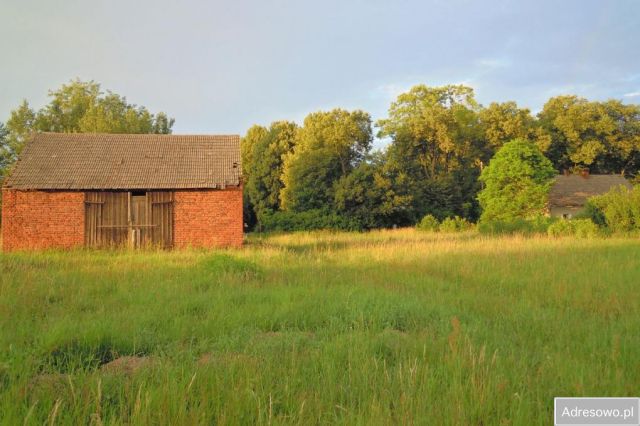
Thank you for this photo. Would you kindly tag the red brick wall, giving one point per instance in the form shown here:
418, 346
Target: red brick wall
208, 218
42, 219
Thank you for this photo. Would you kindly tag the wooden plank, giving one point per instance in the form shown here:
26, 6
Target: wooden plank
161, 215
104, 219
99, 211
130, 236
170, 223
94, 205
87, 222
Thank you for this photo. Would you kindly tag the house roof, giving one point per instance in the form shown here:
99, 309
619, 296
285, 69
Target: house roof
82, 161
573, 190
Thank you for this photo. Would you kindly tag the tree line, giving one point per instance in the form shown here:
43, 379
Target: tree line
325, 173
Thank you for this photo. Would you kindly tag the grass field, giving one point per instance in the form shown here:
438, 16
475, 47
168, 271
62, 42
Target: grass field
389, 327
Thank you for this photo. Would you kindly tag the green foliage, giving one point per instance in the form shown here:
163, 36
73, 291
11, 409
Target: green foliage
585, 228
441, 140
429, 223
5, 157
436, 149
517, 182
309, 181
580, 228
81, 107
593, 213
263, 153
603, 137
561, 228
503, 122
5, 150
455, 224
533, 226
327, 148
19, 126
254, 135
441, 197
366, 196
306, 221
618, 210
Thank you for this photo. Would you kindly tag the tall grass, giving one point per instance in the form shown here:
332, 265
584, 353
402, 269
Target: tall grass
385, 327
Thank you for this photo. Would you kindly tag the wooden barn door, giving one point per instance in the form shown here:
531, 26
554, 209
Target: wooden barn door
106, 219
139, 229
161, 216
129, 219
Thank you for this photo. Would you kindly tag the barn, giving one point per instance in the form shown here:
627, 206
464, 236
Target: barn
569, 193
111, 190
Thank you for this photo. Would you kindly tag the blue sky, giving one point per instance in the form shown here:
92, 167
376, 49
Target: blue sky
219, 67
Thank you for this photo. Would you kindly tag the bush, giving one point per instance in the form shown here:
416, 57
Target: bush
561, 228
585, 228
536, 225
306, 221
580, 228
428, 223
455, 224
592, 213
618, 209
516, 182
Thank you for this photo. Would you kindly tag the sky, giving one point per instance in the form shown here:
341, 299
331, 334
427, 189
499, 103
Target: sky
222, 66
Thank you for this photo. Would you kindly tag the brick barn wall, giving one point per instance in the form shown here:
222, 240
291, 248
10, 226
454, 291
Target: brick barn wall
208, 218
55, 219
42, 219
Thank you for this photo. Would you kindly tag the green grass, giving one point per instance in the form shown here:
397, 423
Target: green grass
388, 327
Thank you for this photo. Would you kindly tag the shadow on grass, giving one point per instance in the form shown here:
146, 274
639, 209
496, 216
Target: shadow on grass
75, 355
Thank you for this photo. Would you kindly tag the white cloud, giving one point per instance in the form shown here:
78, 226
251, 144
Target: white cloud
631, 94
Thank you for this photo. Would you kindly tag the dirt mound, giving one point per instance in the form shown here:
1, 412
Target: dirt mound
126, 365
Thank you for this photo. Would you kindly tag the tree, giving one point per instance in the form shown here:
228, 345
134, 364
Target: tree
82, 107
502, 122
264, 153
162, 124
5, 150
432, 127
603, 137
437, 149
623, 145
19, 126
366, 196
517, 182
247, 147
247, 144
329, 146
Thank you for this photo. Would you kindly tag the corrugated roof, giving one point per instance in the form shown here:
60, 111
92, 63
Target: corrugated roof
122, 161
573, 190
